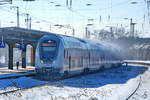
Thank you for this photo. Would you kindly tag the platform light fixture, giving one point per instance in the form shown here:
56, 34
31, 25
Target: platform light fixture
88, 4
134, 2
28, 0
57, 5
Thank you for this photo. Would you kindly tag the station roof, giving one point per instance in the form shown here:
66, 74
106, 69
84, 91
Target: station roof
15, 34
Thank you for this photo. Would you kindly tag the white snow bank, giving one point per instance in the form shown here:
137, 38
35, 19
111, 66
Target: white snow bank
143, 93
113, 84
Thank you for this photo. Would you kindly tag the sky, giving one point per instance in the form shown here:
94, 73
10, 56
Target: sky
46, 14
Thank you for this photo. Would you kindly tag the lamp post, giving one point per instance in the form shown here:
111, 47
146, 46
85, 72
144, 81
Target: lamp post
27, 20
132, 26
88, 27
111, 32
87, 31
17, 8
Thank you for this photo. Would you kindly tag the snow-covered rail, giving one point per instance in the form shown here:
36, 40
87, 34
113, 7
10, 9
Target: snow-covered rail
17, 75
39, 85
11, 91
105, 85
136, 62
134, 90
120, 71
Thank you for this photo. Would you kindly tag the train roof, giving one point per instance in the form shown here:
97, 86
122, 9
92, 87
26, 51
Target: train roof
73, 42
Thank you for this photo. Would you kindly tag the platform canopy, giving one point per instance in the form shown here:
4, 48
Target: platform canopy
14, 34
5, 2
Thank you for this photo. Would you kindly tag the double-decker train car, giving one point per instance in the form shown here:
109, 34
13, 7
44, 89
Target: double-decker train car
65, 55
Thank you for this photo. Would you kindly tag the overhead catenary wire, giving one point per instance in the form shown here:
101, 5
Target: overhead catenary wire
22, 14
81, 15
76, 11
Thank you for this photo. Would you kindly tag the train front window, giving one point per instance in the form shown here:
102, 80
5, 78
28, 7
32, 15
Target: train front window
48, 50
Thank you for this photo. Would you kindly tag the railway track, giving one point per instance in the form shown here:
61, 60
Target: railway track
47, 82
135, 62
135, 89
139, 63
12, 76
15, 76
11, 91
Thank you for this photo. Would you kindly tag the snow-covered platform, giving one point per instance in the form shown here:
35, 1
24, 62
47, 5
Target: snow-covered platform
6, 73
5, 70
142, 62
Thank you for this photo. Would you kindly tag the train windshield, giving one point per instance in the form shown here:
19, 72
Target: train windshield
48, 50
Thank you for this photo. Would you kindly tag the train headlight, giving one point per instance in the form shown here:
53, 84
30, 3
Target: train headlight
42, 61
54, 62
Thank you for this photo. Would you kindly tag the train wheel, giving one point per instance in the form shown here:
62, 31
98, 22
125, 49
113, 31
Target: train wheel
66, 74
113, 65
119, 65
116, 65
108, 65
101, 68
86, 70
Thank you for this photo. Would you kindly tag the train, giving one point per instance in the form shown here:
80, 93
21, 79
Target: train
65, 55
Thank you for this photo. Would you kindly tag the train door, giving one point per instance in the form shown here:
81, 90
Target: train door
82, 61
89, 59
69, 63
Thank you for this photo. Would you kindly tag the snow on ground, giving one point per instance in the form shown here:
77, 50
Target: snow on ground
137, 61
112, 84
13, 84
143, 93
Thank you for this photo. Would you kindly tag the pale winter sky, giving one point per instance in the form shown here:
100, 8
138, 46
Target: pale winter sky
46, 13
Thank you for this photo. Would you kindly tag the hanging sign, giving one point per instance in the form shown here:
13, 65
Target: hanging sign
2, 45
21, 47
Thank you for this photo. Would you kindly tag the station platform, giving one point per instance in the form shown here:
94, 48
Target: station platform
5, 70
140, 62
6, 73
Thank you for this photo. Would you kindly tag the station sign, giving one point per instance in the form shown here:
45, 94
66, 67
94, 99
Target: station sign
2, 45
21, 47
17, 45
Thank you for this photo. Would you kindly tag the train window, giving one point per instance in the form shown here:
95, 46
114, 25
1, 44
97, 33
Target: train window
64, 53
67, 54
48, 50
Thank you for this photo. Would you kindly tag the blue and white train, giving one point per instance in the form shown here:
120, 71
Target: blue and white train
65, 55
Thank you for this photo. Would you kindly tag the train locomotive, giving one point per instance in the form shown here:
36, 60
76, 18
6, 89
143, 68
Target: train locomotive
64, 55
